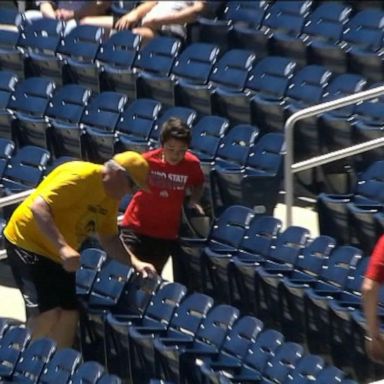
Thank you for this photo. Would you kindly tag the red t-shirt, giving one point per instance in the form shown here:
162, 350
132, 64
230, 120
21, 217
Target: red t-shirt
157, 213
375, 270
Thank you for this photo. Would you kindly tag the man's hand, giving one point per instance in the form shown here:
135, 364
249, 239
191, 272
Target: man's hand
375, 349
64, 14
125, 22
145, 269
197, 208
70, 258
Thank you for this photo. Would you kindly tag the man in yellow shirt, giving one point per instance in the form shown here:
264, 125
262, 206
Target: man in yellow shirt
45, 232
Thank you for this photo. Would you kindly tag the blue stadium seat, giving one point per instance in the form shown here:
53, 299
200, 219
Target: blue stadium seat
306, 369
224, 237
33, 360
267, 81
193, 65
234, 348
135, 125
39, 41
154, 61
186, 320
157, 315
8, 82
102, 112
7, 148
208, 338
229, 72
79, 50
88, 372
11, 57
332, 277
261, 172
115, 58
61, 367
333, 208
28, 104
262, 231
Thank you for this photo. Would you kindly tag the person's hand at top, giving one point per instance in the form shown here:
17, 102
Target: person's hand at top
70, 258
145, 269
64, 14
127, 21
375, 349
151, 22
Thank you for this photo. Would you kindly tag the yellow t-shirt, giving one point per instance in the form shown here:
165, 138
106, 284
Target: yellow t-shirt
79, 205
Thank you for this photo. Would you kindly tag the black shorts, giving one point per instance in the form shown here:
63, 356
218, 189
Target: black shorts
149, 249
43, 283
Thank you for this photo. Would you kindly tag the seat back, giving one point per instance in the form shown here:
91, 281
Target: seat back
191, 312
8, 82
231, 71
195, 63
307, 368
88, 372
120, 50
158, 55
248, 14
355, 280
206, 136
271, 76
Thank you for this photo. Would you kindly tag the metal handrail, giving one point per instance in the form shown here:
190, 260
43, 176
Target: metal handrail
290, 168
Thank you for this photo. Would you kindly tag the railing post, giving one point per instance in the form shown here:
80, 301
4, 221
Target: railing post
313, 111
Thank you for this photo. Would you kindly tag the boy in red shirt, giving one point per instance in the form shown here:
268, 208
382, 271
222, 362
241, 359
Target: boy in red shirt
152, 219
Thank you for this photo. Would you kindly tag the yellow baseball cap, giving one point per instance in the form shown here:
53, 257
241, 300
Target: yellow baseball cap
136, 166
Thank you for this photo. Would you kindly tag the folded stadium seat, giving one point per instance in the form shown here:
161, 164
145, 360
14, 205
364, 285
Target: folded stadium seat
91, 262
135, 125
185, 321
78, 50
8, 82
365, 369
229, 72
246, 185
115, 58
307, 369
317, 301
309, 263
7, 148
252, 252
61, 367
322, 30
365, 46
39, 42
170, 352
12, 344
33, 360
153, 61
266, 83
367, 124
87, 372
246, 18
331, 277
234, 348
262, 232
232, 154
225, 234
258, 354
157, 315
333, 208
187, 115
28, 105
11, 57
282, 256
340, 309
207, 133
113, 379
276, 369
282, 26
102, 112
305, 88
193, 65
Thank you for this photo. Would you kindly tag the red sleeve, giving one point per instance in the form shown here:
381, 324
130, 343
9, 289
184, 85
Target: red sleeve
197, 176
375, 270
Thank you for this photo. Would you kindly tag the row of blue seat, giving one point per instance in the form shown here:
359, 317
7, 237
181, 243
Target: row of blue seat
153, 328
23, 360
311, 289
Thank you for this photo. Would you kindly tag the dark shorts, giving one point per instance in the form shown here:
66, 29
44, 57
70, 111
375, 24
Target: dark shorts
43, 283
149, 249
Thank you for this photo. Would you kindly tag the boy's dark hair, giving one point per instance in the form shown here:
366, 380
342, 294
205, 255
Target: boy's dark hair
174, 128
